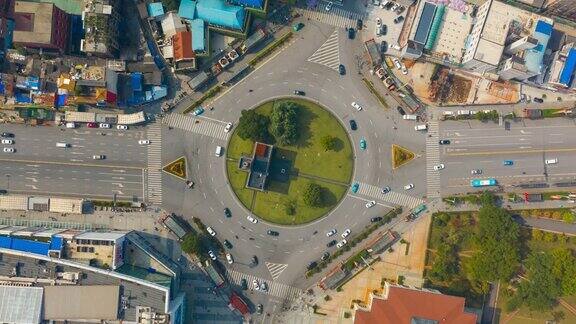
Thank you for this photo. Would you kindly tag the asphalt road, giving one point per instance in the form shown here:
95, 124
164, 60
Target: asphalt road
295, 247
39, 167
485, 146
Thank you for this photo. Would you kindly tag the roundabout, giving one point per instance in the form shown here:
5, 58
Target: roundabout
321, 157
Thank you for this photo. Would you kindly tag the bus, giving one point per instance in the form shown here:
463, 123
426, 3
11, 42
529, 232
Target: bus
483, 182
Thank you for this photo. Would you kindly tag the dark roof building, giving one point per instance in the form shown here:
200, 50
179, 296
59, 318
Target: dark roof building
41, 26
403, 305
260, 166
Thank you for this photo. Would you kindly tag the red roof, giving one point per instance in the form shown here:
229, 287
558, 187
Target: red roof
239, 304
404, 304
182, 43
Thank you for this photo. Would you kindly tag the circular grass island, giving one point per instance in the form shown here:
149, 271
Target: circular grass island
306, 178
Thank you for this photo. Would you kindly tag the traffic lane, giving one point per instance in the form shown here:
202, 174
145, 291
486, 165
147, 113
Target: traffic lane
39, 143
72, 180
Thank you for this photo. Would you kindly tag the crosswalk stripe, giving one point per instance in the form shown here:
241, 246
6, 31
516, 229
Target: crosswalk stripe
196, 125
433, 185
275, 269
329, 53
336, 17
277, 289
153, 172
393, 197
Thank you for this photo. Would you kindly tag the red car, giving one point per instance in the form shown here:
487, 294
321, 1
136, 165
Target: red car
92, 125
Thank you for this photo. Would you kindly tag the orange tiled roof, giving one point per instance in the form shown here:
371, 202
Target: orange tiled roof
404, 304
182, 43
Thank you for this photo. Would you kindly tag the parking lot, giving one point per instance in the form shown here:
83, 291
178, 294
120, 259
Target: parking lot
391, 31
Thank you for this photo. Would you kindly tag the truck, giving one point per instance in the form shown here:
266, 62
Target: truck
415, 212
214, 274
483, 182
533, 197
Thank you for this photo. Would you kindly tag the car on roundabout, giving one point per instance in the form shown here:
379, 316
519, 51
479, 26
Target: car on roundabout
251, 219
353, 125
363, 144
355, 187
299, 93
272, 233
227, 212
356, 106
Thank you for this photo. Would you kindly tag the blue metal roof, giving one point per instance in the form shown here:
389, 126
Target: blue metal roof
24, 245
544, 28
249, 3
425, 23
56, 243
187, 9
155, 9
569, 68
219, 13
198, 41
136, 78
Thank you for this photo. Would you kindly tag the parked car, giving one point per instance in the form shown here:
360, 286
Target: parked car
355, 187
227, 244
353, 125
210, 231
439, 167
398, 19
370, 204
346, 233
444, 142
227, 212
312, 265
212, 255
228, 128
356, 106
273, 233
383, 47
409, 186
341, 243
378, 22
331, 232
259, 309
263, 286
331, 243
359, 24
401, 110
325, 256
384, 30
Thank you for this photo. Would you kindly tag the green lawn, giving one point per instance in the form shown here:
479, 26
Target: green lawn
332, 170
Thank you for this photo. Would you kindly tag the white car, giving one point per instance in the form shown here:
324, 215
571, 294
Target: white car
228, 128
370, 204
212, 255
397, 63
346, 233
263, 286
341, 243
409, 186
8, 150
103, 125
356, 105
121, 127
251, 219
439, 167
229, 258
98, 157
329, 6
256, 284
332, 232
7, 141
476, 171
144, 142
404, 70
396, 47
210, 231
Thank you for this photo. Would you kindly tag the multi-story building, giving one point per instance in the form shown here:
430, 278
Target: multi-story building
561, 8
41, 26
6, 24
101, 19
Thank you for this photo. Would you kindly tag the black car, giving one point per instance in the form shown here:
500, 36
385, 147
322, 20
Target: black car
389, 5
227, 212
299, 93
383, 47
227, 244
399, 19
353, 125
341, 69
444, 142
6, 134
375, 219
325, 256
401, 111
359, 24
384, 30
539, 100
312, 265
273, 233
259, 309
351, 33
385, 190
331, 243
254, 260
244, 284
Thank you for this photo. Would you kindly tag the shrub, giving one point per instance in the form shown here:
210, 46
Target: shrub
312, 195
347, 314
327, 298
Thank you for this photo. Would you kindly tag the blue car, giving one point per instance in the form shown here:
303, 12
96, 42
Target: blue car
355, 187
363, 144
198, 111
508, 162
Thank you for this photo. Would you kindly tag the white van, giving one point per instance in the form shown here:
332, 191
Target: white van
70, 125
410, 117
421, 127
218, 151
552, 161
64, 145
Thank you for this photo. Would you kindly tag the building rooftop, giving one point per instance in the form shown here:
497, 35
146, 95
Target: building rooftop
172, 24
407, 305
219, 13
155, 9
534, 57
33, 22
20, 305
182, 43
79, 302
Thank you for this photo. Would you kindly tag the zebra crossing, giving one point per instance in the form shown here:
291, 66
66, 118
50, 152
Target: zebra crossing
275, 269
336, 17
153, 175
393, 197
329, 53
432, 159
276, 289
202, 126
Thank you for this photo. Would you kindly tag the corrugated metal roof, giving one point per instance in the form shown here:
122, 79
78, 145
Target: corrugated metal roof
569, 68
219, 13
425, 23
155, 9
187, 9
249, 3
20, 304
198, 36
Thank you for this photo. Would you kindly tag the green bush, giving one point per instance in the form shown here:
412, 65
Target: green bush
270, 48
207, 95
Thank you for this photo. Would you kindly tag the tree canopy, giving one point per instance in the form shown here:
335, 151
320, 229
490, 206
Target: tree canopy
253, 126
312, 195
445, 265
284, 123
498, 245
328, 142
